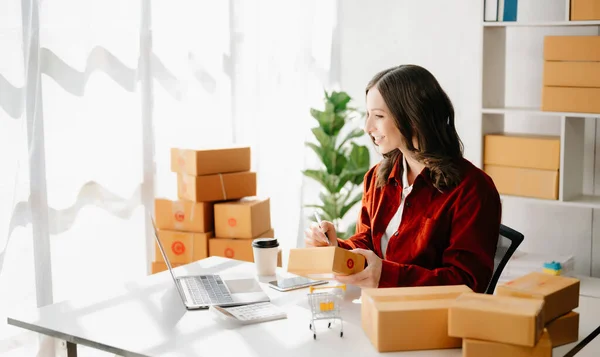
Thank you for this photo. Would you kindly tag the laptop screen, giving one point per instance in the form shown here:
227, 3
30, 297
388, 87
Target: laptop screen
166, 259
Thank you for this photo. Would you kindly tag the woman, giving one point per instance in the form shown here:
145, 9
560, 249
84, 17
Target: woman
428, 216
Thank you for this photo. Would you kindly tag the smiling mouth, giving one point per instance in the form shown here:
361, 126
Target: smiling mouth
377, 139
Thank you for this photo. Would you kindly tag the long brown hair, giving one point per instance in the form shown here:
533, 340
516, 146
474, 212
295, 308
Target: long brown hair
421, 110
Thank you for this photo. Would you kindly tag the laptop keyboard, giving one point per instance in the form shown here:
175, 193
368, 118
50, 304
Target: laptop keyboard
208, 289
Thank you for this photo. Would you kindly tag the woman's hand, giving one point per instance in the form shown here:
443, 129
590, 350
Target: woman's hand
368, 278
315, 236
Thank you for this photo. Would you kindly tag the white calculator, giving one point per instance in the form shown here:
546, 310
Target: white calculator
253, 313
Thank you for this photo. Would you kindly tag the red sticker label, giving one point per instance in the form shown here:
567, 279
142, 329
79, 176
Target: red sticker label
232, 222
350, 263
229, 253
179, 216
178, 247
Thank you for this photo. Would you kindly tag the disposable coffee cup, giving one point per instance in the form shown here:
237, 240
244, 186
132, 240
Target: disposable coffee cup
265, 255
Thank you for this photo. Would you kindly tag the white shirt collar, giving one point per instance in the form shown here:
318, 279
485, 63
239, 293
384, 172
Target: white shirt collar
405, 173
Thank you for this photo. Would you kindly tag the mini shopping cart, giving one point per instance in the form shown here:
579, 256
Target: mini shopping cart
325, 305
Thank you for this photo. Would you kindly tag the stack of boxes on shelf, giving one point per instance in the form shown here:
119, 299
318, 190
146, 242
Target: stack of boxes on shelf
216, 213
571, 74
526, 317
523, 165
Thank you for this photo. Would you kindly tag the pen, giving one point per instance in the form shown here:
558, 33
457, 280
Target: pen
319, 222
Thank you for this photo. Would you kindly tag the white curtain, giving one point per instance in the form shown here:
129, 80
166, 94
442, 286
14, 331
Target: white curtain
92, 96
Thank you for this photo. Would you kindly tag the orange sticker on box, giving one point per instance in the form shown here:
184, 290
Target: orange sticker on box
178, 247
179, 216
232, 222
350, 263
229, 253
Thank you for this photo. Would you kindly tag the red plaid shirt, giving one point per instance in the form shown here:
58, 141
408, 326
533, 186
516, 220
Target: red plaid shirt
445, 238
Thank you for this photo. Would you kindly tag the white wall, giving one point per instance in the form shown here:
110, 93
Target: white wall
446, 38
442, 36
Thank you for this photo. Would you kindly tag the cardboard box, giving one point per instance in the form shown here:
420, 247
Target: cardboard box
526, 151
212, 188
571, 99
246, 218
405, 319
585, 10
240, 249
210, 161
496, 318
559, 293
324, 262
478, 348
564, 329
186, 216
572, 48
572, 74
182, 247
524, 182
157, 267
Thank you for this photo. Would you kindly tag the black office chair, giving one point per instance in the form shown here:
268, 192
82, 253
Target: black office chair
508, 242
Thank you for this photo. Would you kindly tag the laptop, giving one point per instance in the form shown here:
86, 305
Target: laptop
205, 290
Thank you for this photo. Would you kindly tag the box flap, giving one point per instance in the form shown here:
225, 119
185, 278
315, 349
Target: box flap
499, 304
537, 283
421, 292
246, 201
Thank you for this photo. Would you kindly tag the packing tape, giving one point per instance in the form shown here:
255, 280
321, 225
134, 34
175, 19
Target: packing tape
223, 187
193, 210
181, 159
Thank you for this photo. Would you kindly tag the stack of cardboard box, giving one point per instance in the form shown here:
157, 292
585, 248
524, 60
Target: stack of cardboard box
184, 228
221, 181
560, 295
523, 165
411, 318
237, 224
571, 74
527, 317
494, 326
204, 177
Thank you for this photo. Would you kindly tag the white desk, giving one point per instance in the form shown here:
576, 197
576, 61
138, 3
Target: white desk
147, 318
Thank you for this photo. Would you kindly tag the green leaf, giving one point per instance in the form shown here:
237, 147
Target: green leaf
348, 205
337, 124
339, 100
325, 140
333, 203
344, 177
358, 163
328, 120
316, 149
356, 133
339, 163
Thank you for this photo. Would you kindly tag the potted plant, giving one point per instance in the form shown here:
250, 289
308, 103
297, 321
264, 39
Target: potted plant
345, 163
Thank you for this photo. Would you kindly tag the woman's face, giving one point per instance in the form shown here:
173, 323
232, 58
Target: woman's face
380, 124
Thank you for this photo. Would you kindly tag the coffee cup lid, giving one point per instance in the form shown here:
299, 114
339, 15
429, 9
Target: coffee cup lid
265, 243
